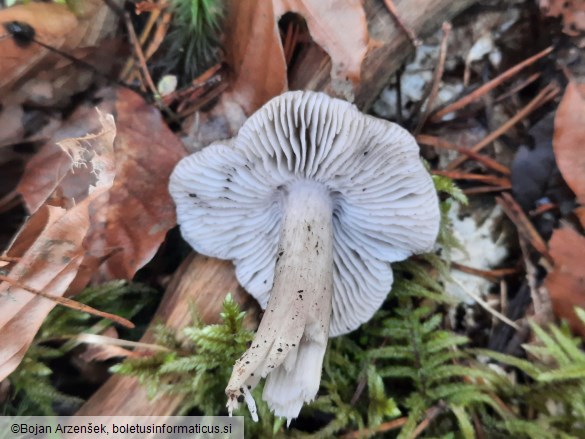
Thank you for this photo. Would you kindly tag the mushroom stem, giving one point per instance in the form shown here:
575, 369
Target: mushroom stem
290, 343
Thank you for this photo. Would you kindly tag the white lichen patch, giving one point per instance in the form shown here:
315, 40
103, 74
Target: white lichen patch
482, 250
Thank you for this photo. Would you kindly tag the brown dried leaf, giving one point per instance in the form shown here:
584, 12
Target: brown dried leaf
31, 72
51, 250
129, 221
255, 53
339, 27
52, 23
254, 48
572, 12
50, 173
11, 125
138, 211
569, 138
566, 283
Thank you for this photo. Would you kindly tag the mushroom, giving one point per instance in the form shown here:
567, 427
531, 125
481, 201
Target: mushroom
312, 201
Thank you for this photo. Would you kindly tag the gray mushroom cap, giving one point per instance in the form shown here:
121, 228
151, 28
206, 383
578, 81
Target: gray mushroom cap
385, 207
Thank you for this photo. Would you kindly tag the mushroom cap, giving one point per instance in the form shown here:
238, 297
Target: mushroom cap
385, 208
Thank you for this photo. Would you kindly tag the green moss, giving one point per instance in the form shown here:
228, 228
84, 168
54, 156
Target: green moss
194, 39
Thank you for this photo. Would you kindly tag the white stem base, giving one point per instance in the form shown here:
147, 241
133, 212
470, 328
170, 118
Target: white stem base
292, 337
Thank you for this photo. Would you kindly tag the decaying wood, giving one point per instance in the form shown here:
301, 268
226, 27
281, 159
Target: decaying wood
201, 280
424, 17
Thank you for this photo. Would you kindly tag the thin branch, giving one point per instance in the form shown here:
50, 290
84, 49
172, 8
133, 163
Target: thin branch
437, 76
386, 426
406, 29
485, 189
70, 303
111, 341
485, 305
488, 162
488, 179
546, 94
432, 413
140, 55
525, 228
488, 86
518, 88
491, 275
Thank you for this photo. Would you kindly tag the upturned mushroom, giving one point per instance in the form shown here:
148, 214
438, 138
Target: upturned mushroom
312, 200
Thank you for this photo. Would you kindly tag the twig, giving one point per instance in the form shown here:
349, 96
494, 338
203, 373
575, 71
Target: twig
488, 162
437, 76
407, 30
211, 74
488, 179
386, 426
488, 86
70, 303
129, 67
432, 413
140, 55
546, 94
485, 189
159, 34
518, 87
491, 275
543, 208
207, 97
111, 341
485, 305
525, 228
503, 296
543, 312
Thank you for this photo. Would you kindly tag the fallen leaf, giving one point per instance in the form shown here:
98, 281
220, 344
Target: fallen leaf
11, 125
566, 283
255, 53
254, 47
129, 221
52, 23
572, 13
339, 27
30, 72
51, 254
569, 138
138, 211
51, 170
580, 212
